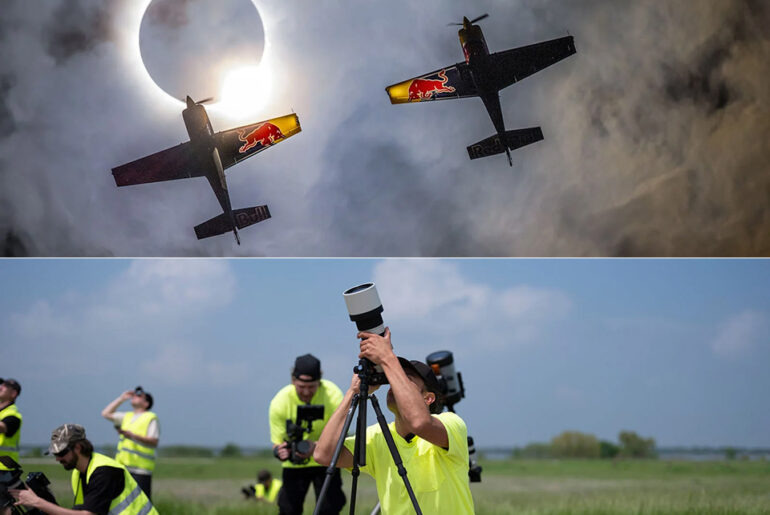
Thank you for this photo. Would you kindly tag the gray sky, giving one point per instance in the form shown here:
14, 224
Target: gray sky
676, 350
655, 134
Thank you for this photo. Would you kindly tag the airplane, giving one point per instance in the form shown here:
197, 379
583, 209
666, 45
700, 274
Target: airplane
484, 75
209, 154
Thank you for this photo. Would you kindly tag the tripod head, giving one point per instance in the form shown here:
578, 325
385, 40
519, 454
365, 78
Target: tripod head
368, 374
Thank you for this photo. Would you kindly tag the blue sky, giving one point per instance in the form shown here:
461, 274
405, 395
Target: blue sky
673, 349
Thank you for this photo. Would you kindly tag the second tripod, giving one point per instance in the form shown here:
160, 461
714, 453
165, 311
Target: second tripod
365, 371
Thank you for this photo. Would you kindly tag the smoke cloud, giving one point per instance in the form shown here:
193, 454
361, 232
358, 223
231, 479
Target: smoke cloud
655, 136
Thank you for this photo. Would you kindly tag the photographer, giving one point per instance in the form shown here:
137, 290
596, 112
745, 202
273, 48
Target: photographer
10, 420
100, 484
139, 434
433, 445
266, 489
300, 470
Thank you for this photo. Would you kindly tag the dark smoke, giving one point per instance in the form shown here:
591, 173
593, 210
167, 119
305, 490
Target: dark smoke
655, 136
75, 28
169, 13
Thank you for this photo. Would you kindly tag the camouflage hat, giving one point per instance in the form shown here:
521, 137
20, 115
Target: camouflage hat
65, 435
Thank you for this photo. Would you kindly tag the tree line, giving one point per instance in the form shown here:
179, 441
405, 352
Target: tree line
574, 444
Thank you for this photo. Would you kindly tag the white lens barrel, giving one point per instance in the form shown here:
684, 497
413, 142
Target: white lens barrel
364, 308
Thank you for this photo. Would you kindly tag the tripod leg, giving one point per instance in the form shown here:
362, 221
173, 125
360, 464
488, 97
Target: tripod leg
394, 452
333, 465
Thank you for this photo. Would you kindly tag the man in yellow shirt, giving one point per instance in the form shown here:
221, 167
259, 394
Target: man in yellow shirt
433, 445
101, 485
139, 435
306, 388
267, 488
10, 420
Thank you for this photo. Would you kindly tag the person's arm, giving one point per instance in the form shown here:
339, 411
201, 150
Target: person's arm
111, 407
144, 440
9, 425
412, 408
30, 499
327, 442
278, 428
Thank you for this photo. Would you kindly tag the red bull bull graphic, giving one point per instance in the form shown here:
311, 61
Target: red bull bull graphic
264, 134
424, 89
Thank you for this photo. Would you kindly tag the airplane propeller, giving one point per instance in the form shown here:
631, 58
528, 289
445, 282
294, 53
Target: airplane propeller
471, 21
191, 102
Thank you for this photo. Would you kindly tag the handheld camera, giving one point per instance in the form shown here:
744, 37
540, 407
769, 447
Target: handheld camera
11, 480
365, 308
442, 363
295, 431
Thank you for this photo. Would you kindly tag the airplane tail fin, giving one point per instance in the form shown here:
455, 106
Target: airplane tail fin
222, 223
514, 139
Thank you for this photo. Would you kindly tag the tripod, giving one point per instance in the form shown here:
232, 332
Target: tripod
365, 371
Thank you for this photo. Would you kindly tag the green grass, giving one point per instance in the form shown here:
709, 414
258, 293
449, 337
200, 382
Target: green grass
536, 487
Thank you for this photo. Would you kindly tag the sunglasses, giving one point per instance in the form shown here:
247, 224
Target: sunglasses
61, 454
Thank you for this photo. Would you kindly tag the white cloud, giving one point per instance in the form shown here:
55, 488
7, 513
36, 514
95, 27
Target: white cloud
150, 301
740, 333
184, 364
434, 295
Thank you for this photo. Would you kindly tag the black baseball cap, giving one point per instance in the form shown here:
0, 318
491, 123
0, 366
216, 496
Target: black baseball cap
147, 396
307, 365
428, 377
12, 383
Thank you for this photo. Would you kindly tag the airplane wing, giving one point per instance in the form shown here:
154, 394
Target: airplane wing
240, 143
516, 64
452, 82
173, 163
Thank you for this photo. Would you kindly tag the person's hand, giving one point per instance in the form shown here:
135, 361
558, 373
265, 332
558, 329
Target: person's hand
282, 451
355, 385
128, 434
126, 395
25, 497
309, 453
376, 348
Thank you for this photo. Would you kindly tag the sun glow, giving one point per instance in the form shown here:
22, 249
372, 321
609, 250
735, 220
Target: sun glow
244, 91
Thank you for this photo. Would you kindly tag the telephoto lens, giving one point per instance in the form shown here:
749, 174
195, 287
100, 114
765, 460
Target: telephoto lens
364, 308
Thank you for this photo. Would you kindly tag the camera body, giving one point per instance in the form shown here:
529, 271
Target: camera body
295, 431
249, 491
11, 480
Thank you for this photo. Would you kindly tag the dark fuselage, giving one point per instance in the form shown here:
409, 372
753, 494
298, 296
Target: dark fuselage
482, 71
201, 134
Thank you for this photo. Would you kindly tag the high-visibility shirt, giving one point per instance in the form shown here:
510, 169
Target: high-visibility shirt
283, 407
439, 477
131, 501
9, 445
133, 454
272, 494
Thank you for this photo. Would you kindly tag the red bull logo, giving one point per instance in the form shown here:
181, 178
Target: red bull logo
424, 89
264, 134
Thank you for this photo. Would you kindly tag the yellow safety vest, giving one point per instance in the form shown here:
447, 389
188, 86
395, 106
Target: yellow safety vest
272, 494
9, 445
131, 453
131, 501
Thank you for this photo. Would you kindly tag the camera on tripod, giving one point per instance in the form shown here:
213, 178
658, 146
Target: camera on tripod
365, 308
295, 431
442, 363
11, 480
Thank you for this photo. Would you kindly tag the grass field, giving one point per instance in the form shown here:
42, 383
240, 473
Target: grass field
212, 486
